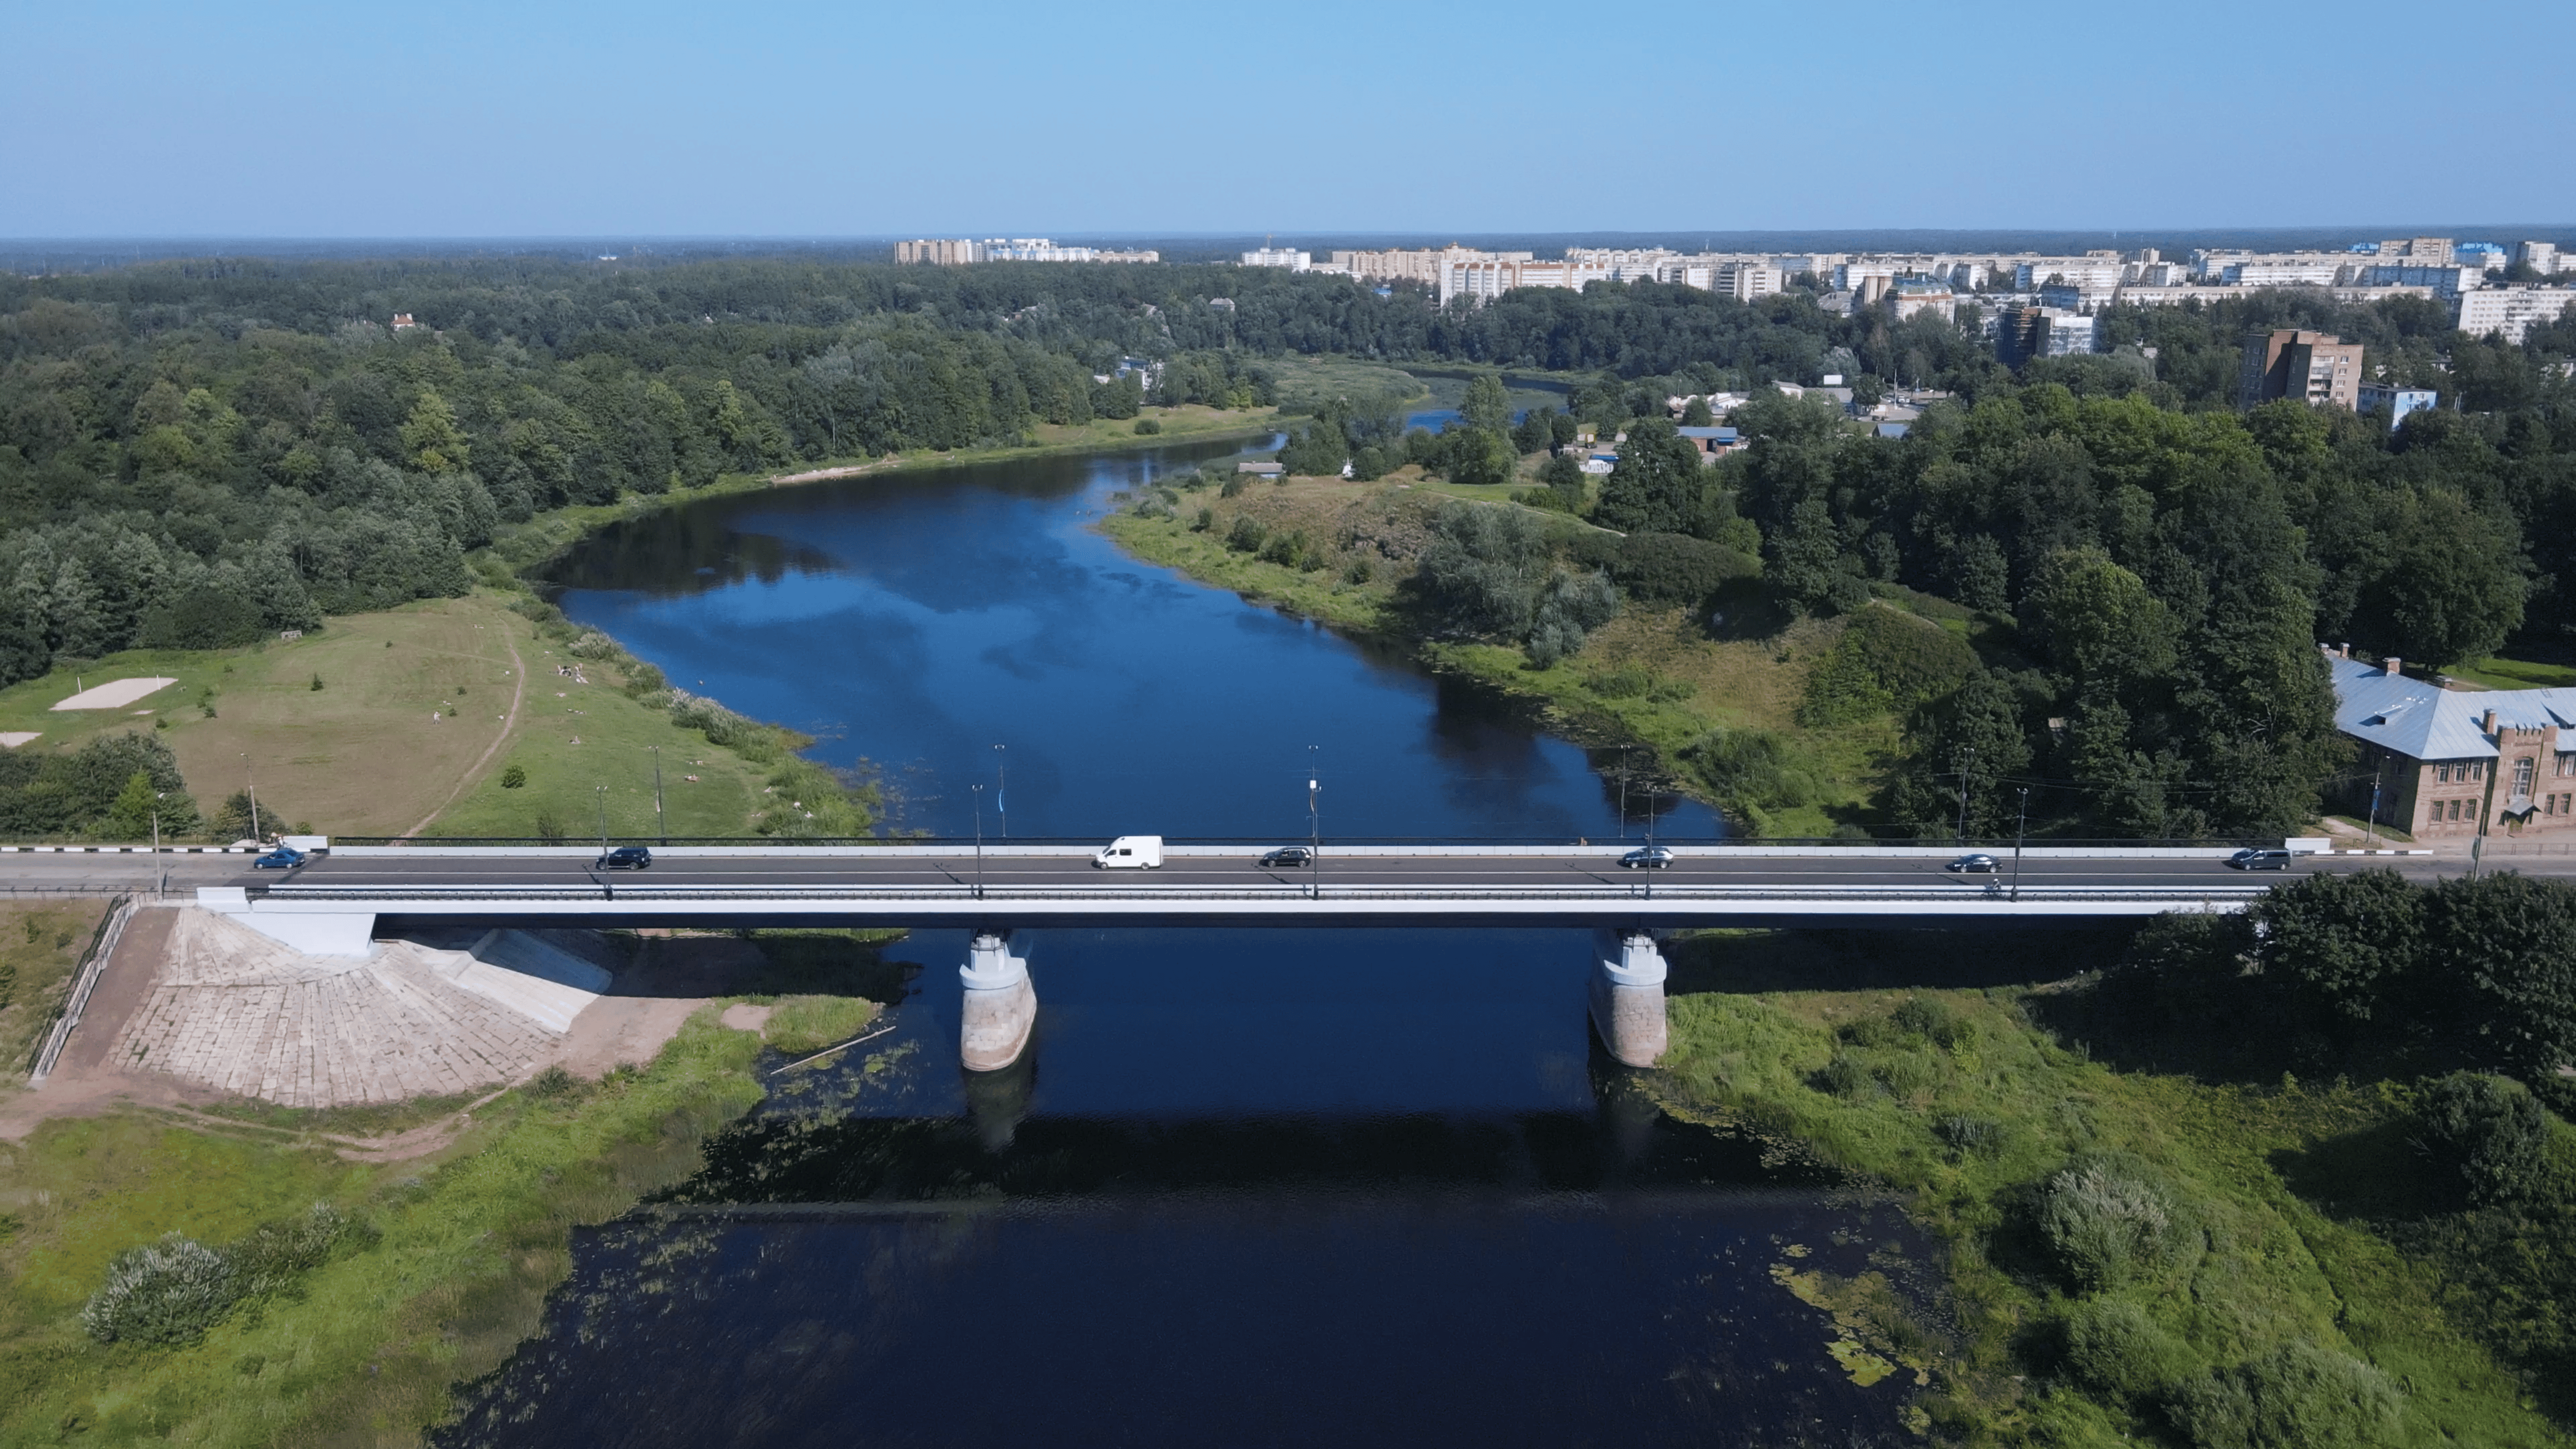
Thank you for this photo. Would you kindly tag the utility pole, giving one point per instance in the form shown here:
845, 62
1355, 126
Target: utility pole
1623, 792
1314, 823
1001, 789
253, 782
2021, 832
661, 823
2377, 776
1967, 760
978, 792
602, 792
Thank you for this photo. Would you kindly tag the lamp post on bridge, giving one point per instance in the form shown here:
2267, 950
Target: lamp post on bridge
602, 792
978, 792
1001, 790
1967, 762
2021, 832
1314, 823
661, 823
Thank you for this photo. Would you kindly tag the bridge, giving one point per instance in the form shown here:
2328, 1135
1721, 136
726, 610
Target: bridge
340, 902
344, 900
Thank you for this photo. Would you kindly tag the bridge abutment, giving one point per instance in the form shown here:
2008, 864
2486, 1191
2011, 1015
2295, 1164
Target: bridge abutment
1628, 996
1000, 1007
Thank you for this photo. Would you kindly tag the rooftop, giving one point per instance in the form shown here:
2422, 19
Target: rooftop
2427, 722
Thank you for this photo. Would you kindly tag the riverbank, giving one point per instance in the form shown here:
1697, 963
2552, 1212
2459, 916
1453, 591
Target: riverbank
461, 1225
521, 549
1967, 1100
1652, 679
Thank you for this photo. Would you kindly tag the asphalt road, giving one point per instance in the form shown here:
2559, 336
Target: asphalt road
788, 869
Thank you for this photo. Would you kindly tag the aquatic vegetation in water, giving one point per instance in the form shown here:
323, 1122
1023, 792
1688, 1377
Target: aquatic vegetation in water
1874, 1333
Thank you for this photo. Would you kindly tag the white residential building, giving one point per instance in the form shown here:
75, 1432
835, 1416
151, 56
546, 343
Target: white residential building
2509, 312
1278, 257
1426, 265
2540, 256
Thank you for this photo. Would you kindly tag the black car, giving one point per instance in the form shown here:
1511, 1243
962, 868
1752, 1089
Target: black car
1289, 855
1977, 863
2260, 860
1646, 857
624, 857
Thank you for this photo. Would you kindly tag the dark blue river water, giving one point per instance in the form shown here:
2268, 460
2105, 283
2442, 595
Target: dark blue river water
1248, 1187
921, 619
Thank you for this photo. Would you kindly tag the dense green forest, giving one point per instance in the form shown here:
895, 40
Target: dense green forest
193, 453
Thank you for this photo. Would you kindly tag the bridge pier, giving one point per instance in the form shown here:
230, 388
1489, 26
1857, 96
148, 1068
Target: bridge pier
1628, 996
1000, 1005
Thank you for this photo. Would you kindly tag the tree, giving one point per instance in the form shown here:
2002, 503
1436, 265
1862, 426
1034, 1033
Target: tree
1972, 737
431, 437
2342, 942
2508, 941
1655, 486
1536, 431
133, 814
2453, 586
1487, 407
1696, 414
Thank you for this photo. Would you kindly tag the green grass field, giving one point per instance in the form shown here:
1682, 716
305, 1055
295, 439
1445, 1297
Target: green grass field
2260, 1172
2504, 673
40, 943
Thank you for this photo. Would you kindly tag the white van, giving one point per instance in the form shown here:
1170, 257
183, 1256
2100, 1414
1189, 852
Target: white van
1131, 852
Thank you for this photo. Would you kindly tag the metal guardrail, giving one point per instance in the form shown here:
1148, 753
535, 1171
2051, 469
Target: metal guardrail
102, 945
643, 895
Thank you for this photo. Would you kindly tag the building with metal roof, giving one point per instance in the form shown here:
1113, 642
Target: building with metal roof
2456, 762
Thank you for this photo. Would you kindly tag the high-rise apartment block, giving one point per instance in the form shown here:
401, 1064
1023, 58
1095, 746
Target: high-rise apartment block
2310, 366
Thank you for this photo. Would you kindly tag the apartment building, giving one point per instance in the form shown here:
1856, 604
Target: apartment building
2023, 331
2540, 256
1278, 257
2395, 401
1424, 265
2314, 367
2449, 763
2510, 312
962, 251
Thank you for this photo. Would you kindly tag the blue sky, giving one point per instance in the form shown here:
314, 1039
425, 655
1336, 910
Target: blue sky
472, 118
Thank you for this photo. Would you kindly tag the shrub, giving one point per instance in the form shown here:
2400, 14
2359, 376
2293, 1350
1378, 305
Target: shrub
549, 829
2104, 1227
1676, 568
1359, 570
2298, 1396
1846, 1076
2112, 1346
1933, 1020
1231, 486
1205, 521
171, 1291
317, 684
514, 777
1147, 427
1970, 1136
1247, 534
2487, 1135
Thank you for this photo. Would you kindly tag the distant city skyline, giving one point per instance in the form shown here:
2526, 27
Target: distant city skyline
802, 120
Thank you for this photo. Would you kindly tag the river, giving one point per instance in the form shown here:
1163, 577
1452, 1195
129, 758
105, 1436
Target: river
1249, 1187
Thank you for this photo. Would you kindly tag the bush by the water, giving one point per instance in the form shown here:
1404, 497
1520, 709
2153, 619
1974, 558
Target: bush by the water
2113, 1346
2488, 1136
2298, 1396
2106, 1227
174, 1290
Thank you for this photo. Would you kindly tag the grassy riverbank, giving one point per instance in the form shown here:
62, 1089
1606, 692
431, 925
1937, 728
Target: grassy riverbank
1969, 1099
455, 1254
1652, 678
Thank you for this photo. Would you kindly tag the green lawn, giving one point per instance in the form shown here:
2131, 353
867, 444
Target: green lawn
2505, 673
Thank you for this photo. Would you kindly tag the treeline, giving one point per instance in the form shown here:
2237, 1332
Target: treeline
193, 456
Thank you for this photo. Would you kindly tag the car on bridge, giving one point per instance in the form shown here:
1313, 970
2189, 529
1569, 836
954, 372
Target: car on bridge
1647, 857
1130, 852
2252, 859
1975, 863
285, 857
625, 857
1289, 856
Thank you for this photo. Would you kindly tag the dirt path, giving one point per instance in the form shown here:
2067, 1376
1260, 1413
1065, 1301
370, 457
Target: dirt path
509, 722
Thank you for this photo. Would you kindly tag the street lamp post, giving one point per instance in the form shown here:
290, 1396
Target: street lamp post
1314, 823
1002, 789
1967, 762
1623, 792
2021, 832
251, 780
661, 823
602, 792
978, 792
2378, 776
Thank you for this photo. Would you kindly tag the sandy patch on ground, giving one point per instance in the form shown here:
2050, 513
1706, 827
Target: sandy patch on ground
115, 694
12, 739
743, 1016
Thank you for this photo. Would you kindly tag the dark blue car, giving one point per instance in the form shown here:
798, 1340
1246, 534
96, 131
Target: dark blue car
285, 857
